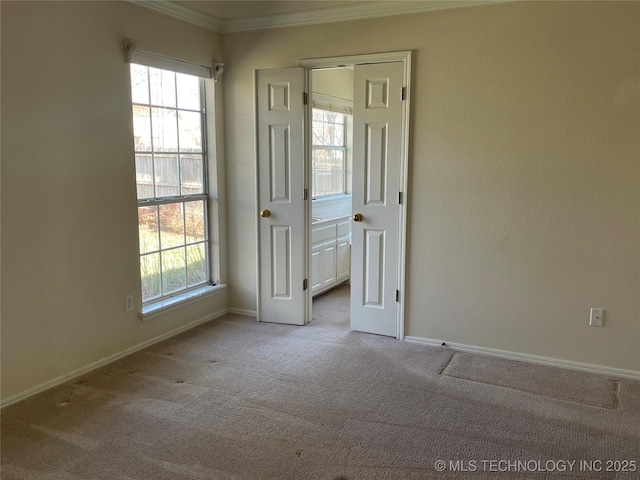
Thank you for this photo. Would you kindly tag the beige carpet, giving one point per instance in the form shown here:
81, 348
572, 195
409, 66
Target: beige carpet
580, 387
237, 399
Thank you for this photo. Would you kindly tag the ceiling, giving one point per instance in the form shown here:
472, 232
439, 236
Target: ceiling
240, 15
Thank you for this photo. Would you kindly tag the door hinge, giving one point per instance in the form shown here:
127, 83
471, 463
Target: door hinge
397, 295
305, 98
404, 93
305, 194
399, 198
304, 284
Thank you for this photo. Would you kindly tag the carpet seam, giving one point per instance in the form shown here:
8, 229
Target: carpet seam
453, 354
595, 405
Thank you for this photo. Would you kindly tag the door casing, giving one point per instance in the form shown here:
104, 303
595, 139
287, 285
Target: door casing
332, 62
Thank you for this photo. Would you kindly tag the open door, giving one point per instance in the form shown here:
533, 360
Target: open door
377, 153
281, 205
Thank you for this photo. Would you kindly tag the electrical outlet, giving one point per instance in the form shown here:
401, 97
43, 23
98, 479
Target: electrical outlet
597, 317
128, 303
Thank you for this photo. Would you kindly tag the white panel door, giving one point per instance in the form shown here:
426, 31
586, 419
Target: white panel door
377, 149
281, 208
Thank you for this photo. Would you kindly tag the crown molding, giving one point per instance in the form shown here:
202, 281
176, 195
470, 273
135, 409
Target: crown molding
345, 14
337, 14
183, 13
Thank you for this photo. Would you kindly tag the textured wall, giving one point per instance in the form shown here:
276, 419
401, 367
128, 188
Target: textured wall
69, 241
524, 177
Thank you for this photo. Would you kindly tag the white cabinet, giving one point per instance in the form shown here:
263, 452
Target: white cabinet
316, 271
330, 253
344, 259
328, 256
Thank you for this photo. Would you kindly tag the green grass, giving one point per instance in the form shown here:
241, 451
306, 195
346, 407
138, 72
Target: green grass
173, 263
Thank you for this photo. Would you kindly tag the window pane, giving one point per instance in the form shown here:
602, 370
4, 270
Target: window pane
168, 126
328, 128
190, 131
139, 84
141, 129
318, 133
144, 176
192, 174
196, 264
173, 270
148, 229
188, 91
194, 221
334, 134
167, 177
165, 130
163, 87
336, 159
328, 164
334, 117
171, 225
328, 171
338, 182
150, 274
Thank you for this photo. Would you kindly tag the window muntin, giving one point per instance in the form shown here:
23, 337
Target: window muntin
328, 168
170, 159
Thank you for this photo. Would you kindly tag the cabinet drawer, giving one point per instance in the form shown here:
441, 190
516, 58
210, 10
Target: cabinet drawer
344, 227
323, 233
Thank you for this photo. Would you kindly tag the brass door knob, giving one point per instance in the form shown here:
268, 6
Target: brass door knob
357, 217
265, 213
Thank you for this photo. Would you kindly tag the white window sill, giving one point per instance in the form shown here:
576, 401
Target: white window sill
165, 305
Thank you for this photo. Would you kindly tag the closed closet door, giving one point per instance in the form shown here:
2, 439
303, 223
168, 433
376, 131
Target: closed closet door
377, 154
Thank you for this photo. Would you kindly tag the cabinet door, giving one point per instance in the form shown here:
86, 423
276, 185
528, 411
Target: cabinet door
328, 264
344, 259
316, 269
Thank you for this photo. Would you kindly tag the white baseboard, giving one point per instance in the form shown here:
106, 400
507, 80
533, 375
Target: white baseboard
242, 311
525, 357
111, 358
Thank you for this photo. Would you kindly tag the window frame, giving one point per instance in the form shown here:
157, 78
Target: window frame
169, 299
343, 148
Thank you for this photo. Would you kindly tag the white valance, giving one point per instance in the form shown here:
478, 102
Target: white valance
149, 59
332, 104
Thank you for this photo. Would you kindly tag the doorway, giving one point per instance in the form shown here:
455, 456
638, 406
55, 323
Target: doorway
330, 166
377, 221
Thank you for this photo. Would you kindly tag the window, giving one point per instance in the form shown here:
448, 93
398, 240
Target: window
328, 169
170, 158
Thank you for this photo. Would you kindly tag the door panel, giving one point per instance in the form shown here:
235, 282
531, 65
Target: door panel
281, 261
375, 163
373, 274
281, 233
377, 150
279, 163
